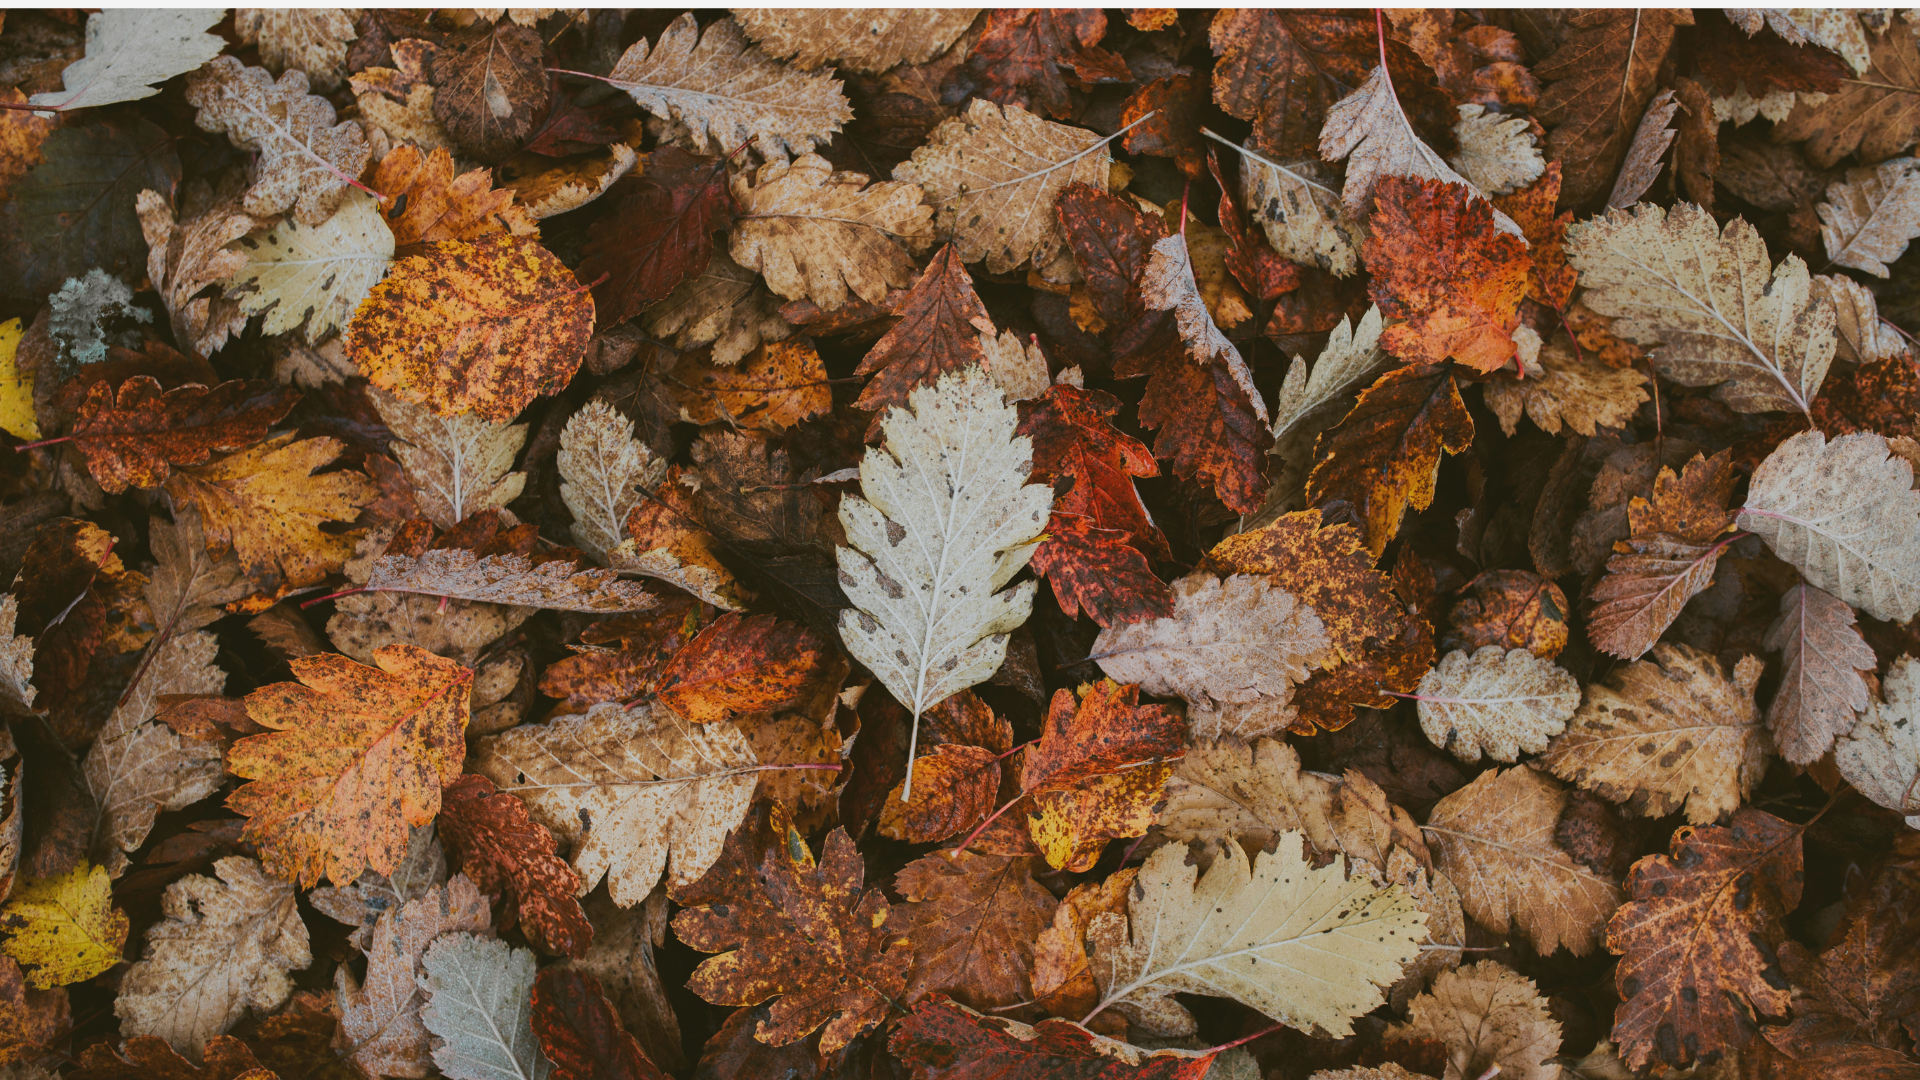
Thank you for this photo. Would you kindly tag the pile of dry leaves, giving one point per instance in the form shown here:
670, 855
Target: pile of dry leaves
967, 544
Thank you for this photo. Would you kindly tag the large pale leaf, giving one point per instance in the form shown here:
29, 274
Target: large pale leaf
719, 91
129, 50
303, 160
1880, 757
558, 584
602, 469
1843, 513
947, 519
314, 275
458, 465
480, 1007
1821, 688
987, 171
1668, 732
633, 792
1495, 701
1308, 947
1238, 640
1867, 221
1711, 300
224, 946
867, 40
820, 235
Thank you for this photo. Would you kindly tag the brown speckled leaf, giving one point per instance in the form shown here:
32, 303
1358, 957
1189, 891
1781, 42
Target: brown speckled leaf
1698, 939
788, 926
972, 920
509, 578
1489, 1016
1384, 456
510, 855
1098, 771
485, 327
1439, 262
953, 791
581, 1034
742, 665
358, 754
431, 203
1821, 689
136, 438
941, 319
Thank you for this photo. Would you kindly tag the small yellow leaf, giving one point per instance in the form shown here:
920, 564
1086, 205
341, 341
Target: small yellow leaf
16, 386
64, 929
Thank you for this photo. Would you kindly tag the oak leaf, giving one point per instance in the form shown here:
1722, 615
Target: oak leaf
490, 88
659, 236
1489, 1016
264, 506
1599, 81
1237, 640
790, 926
719, 91
314, 40
1821, 688
430, 203
816, 234
971, 534
1880, 756
1495, 840
1439, 263
1384, 455
479, 1009
128, 51
1841, 513
1674, 279
313, 277
225, 946
1021, 52
486, 327
1697, 939
135, 438
1258, 952
581, 1034
1496, 701
303, 160
63, 929
1869, 116
865, 40
1668, 733
631, 792
1575, 392
972, 920
356, 756
942, 1039
739, 665
380, 1029
985, 170
507, 854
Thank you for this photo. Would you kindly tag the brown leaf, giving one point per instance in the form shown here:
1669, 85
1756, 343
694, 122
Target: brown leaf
1021, 52
1515, 609
954, 788
30, 1020
579, 1032
1439, 262
792, 927
1209, 427
742, 665
772, 388
509, 855
1598, 83
429, 203
1869, 116
1490, 1017
1384, 456
972, 920
148, 1058
1821, 689
941, 320
1697, 939
303, 159
1177, 105
511, 578
646, 639
135, 440
490, 88
658, 236
1669, 559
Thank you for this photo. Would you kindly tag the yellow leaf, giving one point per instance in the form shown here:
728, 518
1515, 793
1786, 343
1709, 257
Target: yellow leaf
16, 386
64, 929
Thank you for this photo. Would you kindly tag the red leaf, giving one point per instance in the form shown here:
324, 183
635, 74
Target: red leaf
658, 236
580, 1032
1019, 56
1094, 569
1258, 267
1207, 424
1439, 262
136, 439
1074, 439
938, 332
507, 853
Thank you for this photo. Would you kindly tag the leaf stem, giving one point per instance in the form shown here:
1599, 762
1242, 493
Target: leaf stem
41, 443
334, 596
982, 827
1244, 1039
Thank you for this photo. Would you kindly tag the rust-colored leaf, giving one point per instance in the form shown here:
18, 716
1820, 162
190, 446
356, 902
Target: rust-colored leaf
511, 856
1550, 280
658, 236
1439, 263
1514, 609
941, 319
972, 920
581, 1034
742, 665
1022, 51
136, 438
430, 203
1384, 456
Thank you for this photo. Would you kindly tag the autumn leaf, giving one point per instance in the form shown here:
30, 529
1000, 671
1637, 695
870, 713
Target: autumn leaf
1880, 756
1496, 701
226, 945
1573, 391
479, 1007
1495, 840
660, 236
774, 387
186, 256
1867, 115
738, 666
490, 88
942, 1039
580, 1033
129, 51
1439, 263
483, 327
645, 640
1096, 570
941, 319
1821, 688
312, 278
725, 306
134, 438
1712, 916
1668, 732
33, 1019
658, 794
1550, 280
313, 40
1384, 456
1669, 558
380, 1028
266, 507
1238, 640
866, 40
666, 539
508, 855
304, 162
1489, 1016
787, 925
146, 1056
430, 203
1167, 284
1022, 52
559, 583
1515, 609
1110, 240
1210, 428
458, 466
972, 920
63, 929
357, 754
820, 235
1603, 71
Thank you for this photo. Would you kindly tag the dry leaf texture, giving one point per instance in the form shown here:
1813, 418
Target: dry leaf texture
1823, 657
128, 51
458, 466
1489, 1016
972, 920
867, 40
64, 928
1880, 757
820, 235
380, 1029
313, 277
1867, 221
1238, 640
558, 584
266, 506
480, 1009
313, 40
303, 158
1495, 701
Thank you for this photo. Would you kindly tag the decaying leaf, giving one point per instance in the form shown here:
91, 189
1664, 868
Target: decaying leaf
135, 437
430, 203
303, 160
1237, 640
1820, 689
380, 1029
1439, 263
1384, 456
1575, 392
479, 1009
312, 278
63, 929
942, 1038
1867, 221
558, 584
314, 40
820, 235
458, 466
1497, 701
1489, 1016
972, 920
867, 40
1880, 756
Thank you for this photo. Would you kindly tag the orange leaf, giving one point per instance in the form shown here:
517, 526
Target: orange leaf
508, 854
742, 665
429, 203
138, 438
1439, 262
357, 755
775, 387
941, 318
1384, 456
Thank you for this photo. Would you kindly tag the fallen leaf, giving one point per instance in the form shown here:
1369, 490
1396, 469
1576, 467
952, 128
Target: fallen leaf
1880, 756
508, 855
266, 507
380, 1028
1647, 152
1439, 262
479, 1009
1576, 392
1490, 1017
1021, 53
558, 584
184, 257
63, 929
939, 334
1670, 557
34, 1019
361, 904
1168, 284
483, 327
1238, 640
1209, 426
580, 1033
1820, 689
866, 40
150, 1057
721, 92
1867, 221
1668, 733
738, 666
313, 40
128, 52
774, 387
1598, 82
725, 306
1384, 456
1494, 839
135, 438
1550, 280
1708, 918
1496, 701
1496, 152
942, 1039
790, 926
1867, 116
1098, 771
458, 466
489, 88
972, 920
224, 947
430, 203
303, 161
660, 236
820, 235
631, 792
1515, 609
